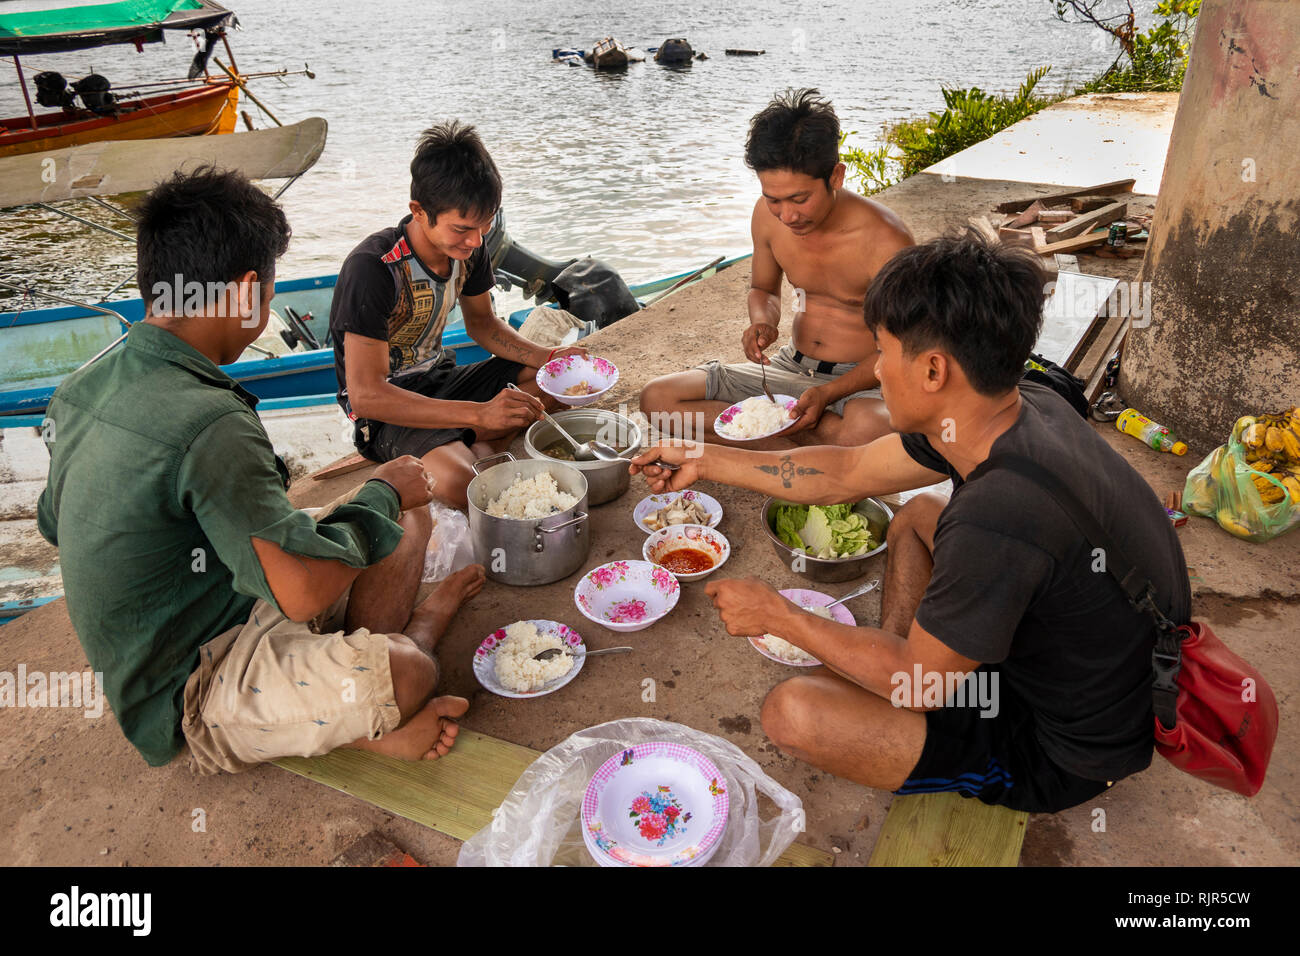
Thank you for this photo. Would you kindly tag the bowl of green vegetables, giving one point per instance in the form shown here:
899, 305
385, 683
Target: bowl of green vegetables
827, 543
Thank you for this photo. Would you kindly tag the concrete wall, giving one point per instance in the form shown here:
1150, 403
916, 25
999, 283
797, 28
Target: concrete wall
1224, 256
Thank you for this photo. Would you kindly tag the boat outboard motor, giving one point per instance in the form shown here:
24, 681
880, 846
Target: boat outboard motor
515, 265
52, 90
94, 93
674, 51
594, 292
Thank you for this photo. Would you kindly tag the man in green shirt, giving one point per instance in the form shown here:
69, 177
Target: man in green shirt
221, 616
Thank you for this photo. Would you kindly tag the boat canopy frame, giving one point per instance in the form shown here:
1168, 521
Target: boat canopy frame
128, 21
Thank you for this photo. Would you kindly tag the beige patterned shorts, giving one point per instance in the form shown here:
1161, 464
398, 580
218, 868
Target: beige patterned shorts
274, 688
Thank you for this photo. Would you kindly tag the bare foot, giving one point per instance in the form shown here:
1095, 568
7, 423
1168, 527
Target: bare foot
428, 735
431, 616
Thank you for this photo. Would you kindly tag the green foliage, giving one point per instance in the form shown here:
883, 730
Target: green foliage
969, 116
872, 170
1154, 61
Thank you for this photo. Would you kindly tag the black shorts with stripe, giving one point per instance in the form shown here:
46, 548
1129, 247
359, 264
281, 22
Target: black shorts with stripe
476, 382
997, 760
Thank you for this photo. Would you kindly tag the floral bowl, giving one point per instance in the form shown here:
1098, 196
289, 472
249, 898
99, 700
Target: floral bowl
655, 804
694, 536
626, 595
570, 371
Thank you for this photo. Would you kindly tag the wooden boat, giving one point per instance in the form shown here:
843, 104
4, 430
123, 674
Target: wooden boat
208, 110
40, 346
88, 110
298, 407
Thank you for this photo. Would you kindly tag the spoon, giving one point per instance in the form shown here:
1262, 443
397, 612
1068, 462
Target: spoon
869, 586
580, 451
550, 652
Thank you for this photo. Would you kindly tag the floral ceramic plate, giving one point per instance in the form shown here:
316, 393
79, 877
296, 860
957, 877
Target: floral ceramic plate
485, 659
564, 378
804, 598
627, 595
723, 428
655, 804
652, 503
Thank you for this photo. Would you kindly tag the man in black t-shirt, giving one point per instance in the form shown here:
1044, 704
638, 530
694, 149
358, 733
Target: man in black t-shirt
1009, 665
394, 293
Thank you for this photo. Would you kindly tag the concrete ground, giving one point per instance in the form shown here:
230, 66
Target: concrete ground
75, 792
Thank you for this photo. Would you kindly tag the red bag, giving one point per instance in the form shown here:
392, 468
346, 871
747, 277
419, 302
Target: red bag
1225, 718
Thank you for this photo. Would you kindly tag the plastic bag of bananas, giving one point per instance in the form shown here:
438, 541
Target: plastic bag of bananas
1251, 485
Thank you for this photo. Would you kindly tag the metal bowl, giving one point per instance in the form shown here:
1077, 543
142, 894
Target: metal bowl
875, 512
606, 480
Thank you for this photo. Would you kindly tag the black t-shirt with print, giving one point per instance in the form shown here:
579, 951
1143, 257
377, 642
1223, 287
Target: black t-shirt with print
1017, 585
385, 292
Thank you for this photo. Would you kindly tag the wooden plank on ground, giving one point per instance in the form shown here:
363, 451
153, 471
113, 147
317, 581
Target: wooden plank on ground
1105, 189
1088, 221
350, 464
1070, 245
455, 794
946, 829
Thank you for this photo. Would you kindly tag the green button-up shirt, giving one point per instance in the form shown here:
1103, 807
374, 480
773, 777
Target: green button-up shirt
161, 474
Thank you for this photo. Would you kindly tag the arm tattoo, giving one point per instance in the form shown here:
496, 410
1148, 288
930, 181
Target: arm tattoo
513, 348
787, 470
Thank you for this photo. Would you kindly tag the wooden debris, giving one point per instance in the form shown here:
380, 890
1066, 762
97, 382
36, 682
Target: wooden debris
1071, 245
1066, 263
1016, 237
1056, 215
1104, 189
1087, 221
1089, 203
1028, 217
744, 52
354, 463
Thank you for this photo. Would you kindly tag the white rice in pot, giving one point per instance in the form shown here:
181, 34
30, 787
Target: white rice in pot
534, 497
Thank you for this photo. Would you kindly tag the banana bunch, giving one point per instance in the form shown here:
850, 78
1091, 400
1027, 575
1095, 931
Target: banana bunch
1272, 445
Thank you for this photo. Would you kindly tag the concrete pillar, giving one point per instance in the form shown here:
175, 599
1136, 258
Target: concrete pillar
1224, 256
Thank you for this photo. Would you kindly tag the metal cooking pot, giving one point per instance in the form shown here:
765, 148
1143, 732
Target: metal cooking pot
527, 551
606, 480
875, 512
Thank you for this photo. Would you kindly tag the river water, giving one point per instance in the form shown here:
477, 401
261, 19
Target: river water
643, 169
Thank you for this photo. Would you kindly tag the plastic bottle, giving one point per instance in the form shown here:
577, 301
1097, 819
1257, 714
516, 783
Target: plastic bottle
1132, 422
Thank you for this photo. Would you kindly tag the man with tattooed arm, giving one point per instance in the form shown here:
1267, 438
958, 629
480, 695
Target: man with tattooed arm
394, 294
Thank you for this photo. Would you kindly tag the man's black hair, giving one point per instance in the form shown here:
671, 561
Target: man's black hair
452, 170
977, 300
207, 226
798, 131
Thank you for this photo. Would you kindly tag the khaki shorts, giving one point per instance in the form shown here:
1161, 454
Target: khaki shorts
275, 688
272, 687
785, 376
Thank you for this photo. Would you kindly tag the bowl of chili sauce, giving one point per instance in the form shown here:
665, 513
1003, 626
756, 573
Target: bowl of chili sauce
688, 551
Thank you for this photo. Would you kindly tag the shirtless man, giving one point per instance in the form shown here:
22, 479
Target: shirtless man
830, 243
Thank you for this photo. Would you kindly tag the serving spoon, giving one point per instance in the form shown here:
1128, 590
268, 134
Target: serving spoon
593, 450
581, 451
869, 586
550, 652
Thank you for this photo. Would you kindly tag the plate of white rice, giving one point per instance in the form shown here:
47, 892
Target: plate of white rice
755, 418
782, 651
504, 664
529, 498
